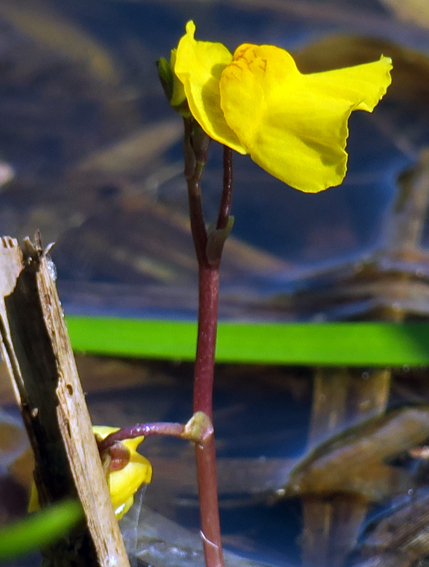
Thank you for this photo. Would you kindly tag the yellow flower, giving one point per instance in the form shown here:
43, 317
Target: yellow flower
257, 102
123, 482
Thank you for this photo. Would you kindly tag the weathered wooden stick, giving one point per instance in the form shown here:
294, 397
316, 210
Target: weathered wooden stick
37, 351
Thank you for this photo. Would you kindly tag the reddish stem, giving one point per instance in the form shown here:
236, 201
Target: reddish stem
209, 504
161, 428
195, 161
198, 429
208, 292
226, 202
206, 342
203, 395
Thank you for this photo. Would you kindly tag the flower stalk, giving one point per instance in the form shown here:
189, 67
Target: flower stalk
208, 248
199, 429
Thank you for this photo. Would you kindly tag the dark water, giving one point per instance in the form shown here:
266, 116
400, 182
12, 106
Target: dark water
58, 115
257, 418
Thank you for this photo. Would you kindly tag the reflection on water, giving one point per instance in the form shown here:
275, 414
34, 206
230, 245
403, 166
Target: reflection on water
274, 490
97, 154
262, 425
163, 543
258, 433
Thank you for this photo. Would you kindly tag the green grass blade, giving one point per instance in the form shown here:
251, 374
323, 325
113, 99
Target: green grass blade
39, 529
349, 344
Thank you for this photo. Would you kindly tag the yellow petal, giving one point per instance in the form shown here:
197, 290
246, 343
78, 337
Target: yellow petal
294, 125
102, 431
124, 483
198, 65
124, 508
364, 84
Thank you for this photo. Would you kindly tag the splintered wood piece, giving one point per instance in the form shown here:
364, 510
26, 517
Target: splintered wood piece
38, 354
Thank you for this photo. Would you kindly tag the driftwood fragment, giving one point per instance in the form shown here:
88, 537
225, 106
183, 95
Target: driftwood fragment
37, 351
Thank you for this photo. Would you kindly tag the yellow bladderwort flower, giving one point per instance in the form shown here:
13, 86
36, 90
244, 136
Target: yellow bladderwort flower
124, 482
257, 102
125, 475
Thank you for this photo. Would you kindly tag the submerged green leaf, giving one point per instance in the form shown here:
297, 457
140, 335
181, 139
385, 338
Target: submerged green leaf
347, 344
